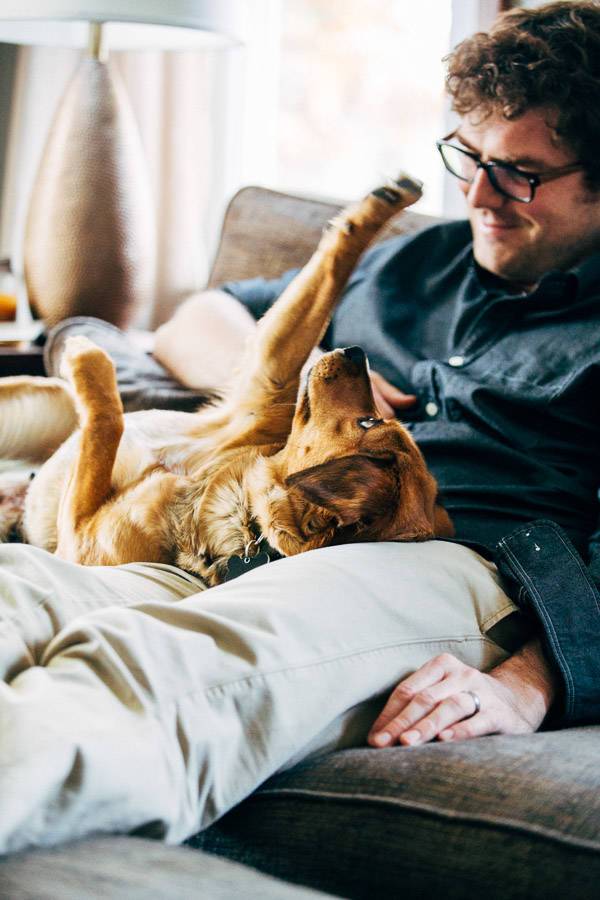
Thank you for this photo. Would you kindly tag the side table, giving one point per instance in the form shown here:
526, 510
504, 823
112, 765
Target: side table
24, 358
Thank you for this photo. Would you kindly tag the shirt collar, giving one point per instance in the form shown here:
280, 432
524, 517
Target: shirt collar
587, 273
555, 285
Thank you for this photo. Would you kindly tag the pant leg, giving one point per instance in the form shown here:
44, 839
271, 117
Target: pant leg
163, 716
40, 594
143, 382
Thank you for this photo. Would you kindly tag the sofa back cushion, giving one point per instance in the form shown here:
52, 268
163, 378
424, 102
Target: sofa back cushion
267, 232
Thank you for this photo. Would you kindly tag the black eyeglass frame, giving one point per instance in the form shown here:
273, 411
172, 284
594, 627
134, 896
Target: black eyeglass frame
534, 178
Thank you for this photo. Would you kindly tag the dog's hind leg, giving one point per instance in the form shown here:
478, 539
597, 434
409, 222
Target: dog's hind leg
92, 375
296, 322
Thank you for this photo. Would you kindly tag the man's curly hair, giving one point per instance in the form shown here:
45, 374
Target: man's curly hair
544, 57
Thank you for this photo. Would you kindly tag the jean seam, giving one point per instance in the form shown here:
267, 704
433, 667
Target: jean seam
578, 562
546, 619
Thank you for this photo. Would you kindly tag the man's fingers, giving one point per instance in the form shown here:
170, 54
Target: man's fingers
427, 684
386, 393
452, 701
452, 710
385, 410
475, 727
428, 713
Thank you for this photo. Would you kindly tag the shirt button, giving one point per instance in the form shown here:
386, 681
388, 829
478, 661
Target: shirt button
456, 361
431, 408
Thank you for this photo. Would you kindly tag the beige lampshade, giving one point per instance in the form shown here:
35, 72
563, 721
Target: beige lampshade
130, 24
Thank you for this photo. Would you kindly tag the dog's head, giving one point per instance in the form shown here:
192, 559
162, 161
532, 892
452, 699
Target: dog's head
345, 474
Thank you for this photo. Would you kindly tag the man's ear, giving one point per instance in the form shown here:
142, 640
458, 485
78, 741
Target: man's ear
355, 488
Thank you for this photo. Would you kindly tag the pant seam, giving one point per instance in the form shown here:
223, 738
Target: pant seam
248, 679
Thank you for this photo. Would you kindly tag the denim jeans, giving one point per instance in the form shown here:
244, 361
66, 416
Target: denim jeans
545, 576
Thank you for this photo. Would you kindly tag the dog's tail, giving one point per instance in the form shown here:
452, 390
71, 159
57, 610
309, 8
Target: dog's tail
36, 416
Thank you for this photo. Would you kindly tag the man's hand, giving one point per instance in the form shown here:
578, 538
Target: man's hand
388, 398
434, 701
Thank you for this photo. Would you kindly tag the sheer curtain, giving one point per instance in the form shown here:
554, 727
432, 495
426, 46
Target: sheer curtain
187, 105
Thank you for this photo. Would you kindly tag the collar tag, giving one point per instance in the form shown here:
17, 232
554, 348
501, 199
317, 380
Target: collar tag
238, 565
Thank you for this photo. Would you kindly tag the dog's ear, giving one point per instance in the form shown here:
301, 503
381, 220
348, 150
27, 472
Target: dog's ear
355, 488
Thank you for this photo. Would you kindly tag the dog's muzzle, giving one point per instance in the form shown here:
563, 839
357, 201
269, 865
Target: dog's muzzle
356, 355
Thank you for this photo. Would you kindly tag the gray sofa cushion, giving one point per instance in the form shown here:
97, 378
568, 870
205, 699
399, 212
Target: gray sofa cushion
124, 868
498, 817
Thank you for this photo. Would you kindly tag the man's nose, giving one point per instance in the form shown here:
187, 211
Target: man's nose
482, 193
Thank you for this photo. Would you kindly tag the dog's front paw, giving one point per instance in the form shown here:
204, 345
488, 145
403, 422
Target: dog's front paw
362, 220
403, 190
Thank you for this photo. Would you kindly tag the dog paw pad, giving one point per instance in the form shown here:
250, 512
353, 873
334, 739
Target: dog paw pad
400, 188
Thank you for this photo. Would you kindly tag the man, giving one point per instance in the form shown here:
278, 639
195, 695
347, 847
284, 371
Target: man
169, 713
525, 156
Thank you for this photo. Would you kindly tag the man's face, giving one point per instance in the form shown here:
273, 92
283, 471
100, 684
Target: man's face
521, 241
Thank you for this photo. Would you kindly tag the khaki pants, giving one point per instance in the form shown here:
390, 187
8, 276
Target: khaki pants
133, 698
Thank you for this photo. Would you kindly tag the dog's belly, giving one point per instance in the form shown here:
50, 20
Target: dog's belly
173, 439
153, 438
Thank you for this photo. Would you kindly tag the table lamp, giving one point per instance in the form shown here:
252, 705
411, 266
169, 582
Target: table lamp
90, 236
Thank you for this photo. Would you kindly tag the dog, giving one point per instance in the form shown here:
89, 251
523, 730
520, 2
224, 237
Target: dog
269, 470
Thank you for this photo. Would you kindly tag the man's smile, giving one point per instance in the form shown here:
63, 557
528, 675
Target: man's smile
495, 227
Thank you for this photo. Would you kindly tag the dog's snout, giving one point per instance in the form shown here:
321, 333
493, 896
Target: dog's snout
355, 354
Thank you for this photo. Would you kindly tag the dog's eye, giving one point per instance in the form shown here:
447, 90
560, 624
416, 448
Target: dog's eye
369, 422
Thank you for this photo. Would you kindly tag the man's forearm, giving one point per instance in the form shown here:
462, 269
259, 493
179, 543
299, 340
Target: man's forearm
202, 343
529, 678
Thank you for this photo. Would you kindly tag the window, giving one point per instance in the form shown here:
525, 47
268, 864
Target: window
359, 96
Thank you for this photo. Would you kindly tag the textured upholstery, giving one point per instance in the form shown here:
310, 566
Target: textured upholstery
499, 817
123, 868
267, 232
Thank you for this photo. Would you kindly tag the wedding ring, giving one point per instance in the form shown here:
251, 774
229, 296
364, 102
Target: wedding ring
476, 701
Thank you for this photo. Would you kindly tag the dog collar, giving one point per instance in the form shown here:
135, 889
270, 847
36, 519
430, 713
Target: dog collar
238, 565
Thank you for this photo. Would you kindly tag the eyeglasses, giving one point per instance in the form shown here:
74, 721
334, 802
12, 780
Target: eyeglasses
505, 178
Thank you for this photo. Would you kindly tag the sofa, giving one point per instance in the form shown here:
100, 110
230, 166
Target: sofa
500, 817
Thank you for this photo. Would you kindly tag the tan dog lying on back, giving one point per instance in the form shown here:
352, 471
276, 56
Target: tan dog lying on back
196, 490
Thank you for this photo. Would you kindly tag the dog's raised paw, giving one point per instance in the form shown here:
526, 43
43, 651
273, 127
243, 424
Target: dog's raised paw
402, 189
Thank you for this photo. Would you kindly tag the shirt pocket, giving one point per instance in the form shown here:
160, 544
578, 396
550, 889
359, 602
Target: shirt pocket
543, 361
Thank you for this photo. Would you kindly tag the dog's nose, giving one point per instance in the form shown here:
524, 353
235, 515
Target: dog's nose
355, 354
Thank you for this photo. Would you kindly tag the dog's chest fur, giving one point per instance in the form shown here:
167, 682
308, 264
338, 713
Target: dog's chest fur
213, 516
